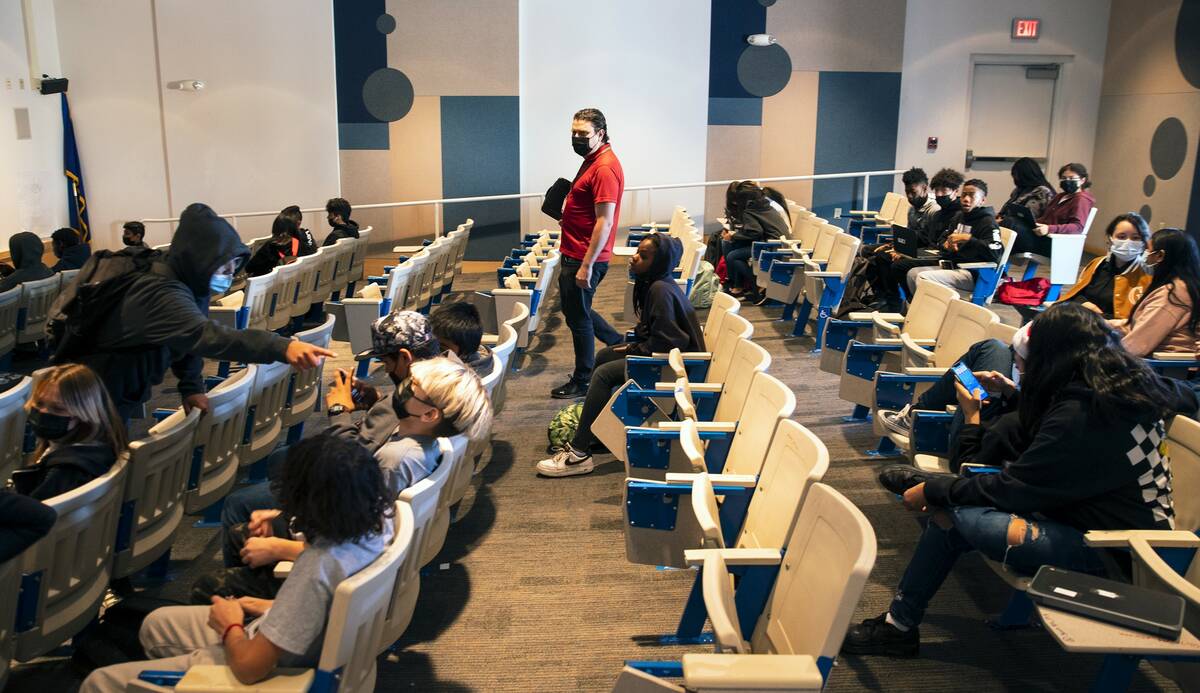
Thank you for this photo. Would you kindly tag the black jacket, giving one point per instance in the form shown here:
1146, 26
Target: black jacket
937, 227
984, 244
23, 521
64, 469
1080, 469
162, 321
761, 223
667, 320
73, 257
347, 230
26, 250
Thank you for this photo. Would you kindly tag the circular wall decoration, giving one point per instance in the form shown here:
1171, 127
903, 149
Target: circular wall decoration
388, 94
1148, 185
1168, 148
1146, 213
386, 23
766, 3
1187, 49
765, 70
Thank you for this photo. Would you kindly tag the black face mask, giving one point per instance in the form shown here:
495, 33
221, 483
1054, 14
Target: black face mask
1069, 185
944, 200
129, 242
918, 202
581, 145
49, 426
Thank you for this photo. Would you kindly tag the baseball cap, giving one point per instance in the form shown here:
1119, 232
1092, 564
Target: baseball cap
403, 329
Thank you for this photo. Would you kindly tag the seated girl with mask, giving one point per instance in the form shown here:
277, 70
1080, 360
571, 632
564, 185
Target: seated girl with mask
1167, 315
1112, 283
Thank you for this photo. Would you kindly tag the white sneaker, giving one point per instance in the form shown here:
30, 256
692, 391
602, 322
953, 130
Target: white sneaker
897, 421
566, 462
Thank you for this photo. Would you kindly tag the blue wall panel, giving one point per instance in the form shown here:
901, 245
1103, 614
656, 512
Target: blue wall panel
359, 49
722, 111
481, 156
857, 118
732, 22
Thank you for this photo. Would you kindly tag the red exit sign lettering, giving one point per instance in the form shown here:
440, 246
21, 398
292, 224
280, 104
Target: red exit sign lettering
1026, 28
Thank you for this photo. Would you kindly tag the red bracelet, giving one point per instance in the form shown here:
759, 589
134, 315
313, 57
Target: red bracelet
230, 627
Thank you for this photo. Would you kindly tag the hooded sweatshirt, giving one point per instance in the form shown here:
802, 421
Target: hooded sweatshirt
1081, 469
340, 231
162, 321
73, 257
939, 224
984, 245
26, 251
667, 320
1067, 212
760, 223
64, 469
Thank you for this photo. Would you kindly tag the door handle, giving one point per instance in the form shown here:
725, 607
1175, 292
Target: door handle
970, 159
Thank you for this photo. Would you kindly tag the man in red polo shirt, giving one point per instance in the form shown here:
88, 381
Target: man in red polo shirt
589, 229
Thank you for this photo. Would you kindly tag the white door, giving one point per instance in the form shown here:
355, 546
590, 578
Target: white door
1012, 113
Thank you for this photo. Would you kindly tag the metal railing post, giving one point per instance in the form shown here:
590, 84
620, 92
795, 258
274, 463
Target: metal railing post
649, 206
437, 220
866, 192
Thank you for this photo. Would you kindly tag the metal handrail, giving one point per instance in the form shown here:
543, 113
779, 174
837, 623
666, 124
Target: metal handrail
648, 189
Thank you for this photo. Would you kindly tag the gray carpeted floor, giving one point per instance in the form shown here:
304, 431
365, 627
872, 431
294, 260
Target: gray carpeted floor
533, 592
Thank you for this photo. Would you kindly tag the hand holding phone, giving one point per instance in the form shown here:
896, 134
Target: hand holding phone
969, 381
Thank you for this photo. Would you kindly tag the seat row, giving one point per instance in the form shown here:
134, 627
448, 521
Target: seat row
527, 278
682, 227
24, 310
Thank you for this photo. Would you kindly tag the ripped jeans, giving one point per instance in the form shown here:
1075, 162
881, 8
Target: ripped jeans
1023, 543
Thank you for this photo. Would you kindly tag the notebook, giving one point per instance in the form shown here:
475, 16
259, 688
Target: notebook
1127, 606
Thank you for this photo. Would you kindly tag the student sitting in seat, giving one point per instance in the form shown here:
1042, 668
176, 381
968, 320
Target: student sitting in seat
666, 321
1112, 283
1031, 190
133, 235
25, 249
975, 238
459, 330
441, 398
1094, 418
1167, 315
78, 432
70, 249
922, 207
283, 248
750, 218
337, 212
1066, 212
338, 500
308, 244
892, 273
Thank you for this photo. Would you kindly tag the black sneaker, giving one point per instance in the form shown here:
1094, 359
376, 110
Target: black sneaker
898, 478
572, 389
875, 636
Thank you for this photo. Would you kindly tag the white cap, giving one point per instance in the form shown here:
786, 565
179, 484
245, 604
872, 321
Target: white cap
1020, 341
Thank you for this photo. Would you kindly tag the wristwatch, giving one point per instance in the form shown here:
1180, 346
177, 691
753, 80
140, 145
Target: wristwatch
336, 409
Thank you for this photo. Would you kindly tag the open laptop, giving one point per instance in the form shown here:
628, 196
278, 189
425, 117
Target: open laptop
905, 241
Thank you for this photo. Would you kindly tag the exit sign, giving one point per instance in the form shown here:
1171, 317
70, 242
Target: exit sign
1025, 28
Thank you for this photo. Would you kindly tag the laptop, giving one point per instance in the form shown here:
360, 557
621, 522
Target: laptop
1127, 606
905, 241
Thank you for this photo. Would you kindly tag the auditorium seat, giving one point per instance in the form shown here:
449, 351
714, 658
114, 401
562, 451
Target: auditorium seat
12, 426
795, 640
806, 228
710, 366
286, 290
218, 440
785, 277
356, 315
534, 293
249, 308
1066, 253
358, 259
304, 395
989, 274
824, 288
326, 266
343, 249
867, 226
34, 308
264, 409
10, 306
453, 456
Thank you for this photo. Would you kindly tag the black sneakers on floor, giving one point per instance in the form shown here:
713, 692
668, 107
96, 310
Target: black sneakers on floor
875, 636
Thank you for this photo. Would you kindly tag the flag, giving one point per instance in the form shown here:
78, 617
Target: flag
77, 214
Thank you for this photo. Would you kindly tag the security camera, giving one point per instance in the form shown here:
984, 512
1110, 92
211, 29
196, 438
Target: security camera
760, 39
186, 85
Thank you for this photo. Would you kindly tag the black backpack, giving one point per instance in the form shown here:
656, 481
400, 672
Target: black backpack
83, 305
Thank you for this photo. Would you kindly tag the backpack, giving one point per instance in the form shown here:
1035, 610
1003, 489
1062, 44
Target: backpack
705, 286
83, 305
563, 425
1030, 292
859, 294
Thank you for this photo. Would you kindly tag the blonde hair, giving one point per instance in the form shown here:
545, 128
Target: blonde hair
83, 396
458, 393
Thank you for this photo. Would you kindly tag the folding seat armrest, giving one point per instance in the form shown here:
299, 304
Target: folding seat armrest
888, 322
859, 213
889, 341
409, 249
739, 480
745, 672
694, 355
918, 342
925, 370
702, 426
865, 316
1175, 356
1161, 538
283, 569
975, 265
215, 678
360, 301
695, 387
695, 557
823, 274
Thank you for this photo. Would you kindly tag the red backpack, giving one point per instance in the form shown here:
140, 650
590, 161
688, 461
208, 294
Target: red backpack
1030, 292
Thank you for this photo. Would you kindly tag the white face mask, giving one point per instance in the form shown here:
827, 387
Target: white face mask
1127, 251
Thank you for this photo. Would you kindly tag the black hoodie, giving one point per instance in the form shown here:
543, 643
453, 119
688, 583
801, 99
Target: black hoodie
340, 231
162, 321
64, 469
668, 320
760, 223
937, 227
72, 258
984, 244
26, 250
1080, 469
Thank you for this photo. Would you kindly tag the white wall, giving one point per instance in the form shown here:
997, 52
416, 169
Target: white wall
645, 65
940, 38
263, 134
33, 193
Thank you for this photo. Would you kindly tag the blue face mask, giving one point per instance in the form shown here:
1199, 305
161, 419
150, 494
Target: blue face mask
220, 283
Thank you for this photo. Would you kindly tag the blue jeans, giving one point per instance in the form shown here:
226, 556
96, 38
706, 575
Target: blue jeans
585, 324
988, 355
737, 265
1044, 542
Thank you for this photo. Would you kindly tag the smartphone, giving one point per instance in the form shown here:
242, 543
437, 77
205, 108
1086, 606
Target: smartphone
969, 381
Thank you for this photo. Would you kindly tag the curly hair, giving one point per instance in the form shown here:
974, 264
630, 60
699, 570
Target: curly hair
333, 489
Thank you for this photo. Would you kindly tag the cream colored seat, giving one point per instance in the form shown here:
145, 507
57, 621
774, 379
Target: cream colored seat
309, 266
10, 585
358, 258
34, 307
10, 306
344, 250
264, 409
369, 304
218, 440
326, 266
465, 469
769, 500
249, 308
287, 290
66, 573
785, 280
533, 292
825, 286
792, 647
305, 394
155, 485
354, 632
12, 426
453, 456
505, 351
